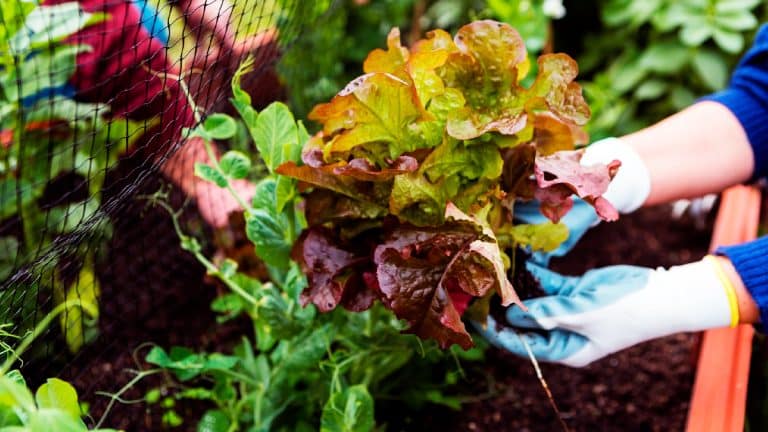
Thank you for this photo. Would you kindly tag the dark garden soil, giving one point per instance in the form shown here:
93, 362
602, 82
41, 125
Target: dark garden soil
644, 388
152, 292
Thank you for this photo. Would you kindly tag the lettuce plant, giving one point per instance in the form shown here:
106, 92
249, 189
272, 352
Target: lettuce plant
410, 186
300, 370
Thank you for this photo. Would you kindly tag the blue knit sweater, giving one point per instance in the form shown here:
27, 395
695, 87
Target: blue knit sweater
747, 97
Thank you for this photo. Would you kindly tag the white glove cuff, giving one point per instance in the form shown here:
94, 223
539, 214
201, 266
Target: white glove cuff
632, 184
695, 294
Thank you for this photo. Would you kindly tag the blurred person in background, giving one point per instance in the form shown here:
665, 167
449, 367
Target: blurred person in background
720, 141
129, 66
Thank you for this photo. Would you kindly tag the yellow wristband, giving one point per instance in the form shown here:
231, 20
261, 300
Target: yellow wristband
730, 291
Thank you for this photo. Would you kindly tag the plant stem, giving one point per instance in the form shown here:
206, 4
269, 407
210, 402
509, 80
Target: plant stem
116, 396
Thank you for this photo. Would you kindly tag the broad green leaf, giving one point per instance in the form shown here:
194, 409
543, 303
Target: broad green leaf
59, 395
711, 68
235, 164
220, 126
51, 419
16, 396
651, 89
272, 233
214, 421
275, 130
350, 410
307, 353
264, 195
292, 153
285, 191
633, 13
271, 236
231, 305
736, 21
693, 35
674, 15
158, 356
625, 74
729, 6
211, 174
665, 57
8, 418
187, 364
731, 42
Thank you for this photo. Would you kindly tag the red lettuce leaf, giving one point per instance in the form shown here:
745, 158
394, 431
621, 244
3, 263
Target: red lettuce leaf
420, 271
560, 174
334, 274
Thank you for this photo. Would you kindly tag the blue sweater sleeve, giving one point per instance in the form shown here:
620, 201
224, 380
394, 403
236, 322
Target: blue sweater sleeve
751, 262
747, 97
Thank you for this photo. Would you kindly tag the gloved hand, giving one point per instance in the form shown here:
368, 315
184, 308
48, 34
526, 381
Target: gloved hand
627, 192
582, 319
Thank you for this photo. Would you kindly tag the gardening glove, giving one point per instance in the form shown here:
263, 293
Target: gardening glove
627, 192
582, 319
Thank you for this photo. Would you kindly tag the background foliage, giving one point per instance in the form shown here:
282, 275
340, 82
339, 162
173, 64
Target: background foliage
639, 61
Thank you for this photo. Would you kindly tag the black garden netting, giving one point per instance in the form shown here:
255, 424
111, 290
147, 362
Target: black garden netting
95, 99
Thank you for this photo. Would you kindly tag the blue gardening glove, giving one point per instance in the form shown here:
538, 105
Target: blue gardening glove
582, 319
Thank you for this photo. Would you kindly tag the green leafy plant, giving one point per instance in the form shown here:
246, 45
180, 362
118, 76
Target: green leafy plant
661, 55
414, 176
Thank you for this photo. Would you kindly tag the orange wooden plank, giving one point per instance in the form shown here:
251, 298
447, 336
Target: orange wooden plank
719, 396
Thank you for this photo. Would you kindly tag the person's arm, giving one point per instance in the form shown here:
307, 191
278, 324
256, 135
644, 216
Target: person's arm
700, 150
718, 142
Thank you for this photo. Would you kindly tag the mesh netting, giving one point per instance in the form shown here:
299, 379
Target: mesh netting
95, 96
